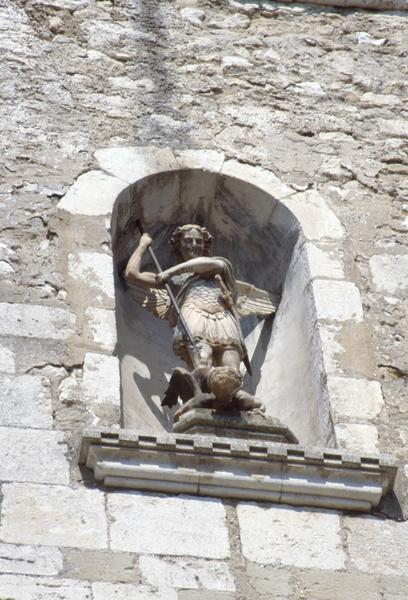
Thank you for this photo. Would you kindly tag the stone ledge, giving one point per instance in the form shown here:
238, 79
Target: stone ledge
231, 468
367, 4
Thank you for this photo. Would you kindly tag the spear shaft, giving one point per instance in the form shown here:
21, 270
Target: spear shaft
172, 297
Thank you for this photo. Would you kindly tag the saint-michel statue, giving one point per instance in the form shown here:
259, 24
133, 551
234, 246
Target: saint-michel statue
203, 302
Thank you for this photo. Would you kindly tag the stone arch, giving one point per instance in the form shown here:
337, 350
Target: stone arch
276, 254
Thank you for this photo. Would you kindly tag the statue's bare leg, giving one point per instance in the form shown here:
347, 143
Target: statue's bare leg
229, 358
205, 359
242, 400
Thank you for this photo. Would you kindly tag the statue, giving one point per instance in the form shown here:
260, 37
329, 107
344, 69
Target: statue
206, 318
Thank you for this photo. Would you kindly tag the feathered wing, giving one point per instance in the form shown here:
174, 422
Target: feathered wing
155, 300
253, 301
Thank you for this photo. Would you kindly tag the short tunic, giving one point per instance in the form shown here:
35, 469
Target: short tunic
207, 315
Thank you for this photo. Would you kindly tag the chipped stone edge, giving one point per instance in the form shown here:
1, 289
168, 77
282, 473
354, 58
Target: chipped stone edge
240, 469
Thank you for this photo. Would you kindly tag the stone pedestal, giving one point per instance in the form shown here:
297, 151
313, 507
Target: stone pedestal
242, 425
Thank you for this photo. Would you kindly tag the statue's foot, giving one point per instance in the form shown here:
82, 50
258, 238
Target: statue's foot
246, 402
199, 401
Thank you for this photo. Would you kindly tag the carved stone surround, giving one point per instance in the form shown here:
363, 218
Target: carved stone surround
231, 468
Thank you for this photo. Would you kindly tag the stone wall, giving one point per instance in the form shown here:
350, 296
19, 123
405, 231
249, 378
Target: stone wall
318, 97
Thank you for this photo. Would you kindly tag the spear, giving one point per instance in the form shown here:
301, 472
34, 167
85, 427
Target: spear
185, 327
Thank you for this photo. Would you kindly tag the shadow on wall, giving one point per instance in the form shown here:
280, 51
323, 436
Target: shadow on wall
264, 242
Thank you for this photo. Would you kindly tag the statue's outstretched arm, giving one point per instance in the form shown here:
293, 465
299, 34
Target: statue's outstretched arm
132, 272
202, 265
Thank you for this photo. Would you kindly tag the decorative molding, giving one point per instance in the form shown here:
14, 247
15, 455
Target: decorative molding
367, 4
233, 468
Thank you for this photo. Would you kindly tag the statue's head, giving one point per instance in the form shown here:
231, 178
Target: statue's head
191, 241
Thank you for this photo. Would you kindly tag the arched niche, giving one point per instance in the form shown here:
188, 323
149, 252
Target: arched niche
264, 241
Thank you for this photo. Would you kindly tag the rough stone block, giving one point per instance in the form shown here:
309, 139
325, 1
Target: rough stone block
210, 160
100, 327
101, 381
387, 542
35, 320
26, 401
266, 180
394, 588
125, 591
203, 595
186, 573
324, 263
355, 398
358, 438
318, 221
131, 163
30, 560
289, 536
333, 350
19, 587
260, 581
93, 193
7, 360
58, 516
321, 585
33, 456
390, 272
175, 525
94, 273
337, 300
100, 565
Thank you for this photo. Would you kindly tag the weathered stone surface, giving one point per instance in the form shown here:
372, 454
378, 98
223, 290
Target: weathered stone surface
262, 178
175, 525
107, 591
93, 193
100, 565
131, 163
321, 585
100, 327
193, 15
337, 300
58, 516
260, 581
289, 536
324, 263
387, 541
20, 587
390, 272
26, 401
200, 159
333, 350
33, 455
7, 360
30, 560
317, 219
355, 398
29, 320
203, 595
100, 382
93, 271
357, 437
94, 391
186, 573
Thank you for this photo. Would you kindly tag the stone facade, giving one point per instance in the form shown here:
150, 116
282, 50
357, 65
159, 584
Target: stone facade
307, 100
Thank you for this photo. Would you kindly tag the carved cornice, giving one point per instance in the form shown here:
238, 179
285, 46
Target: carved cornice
232, 468
367, 4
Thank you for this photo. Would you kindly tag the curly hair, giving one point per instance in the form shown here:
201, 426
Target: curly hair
180, 231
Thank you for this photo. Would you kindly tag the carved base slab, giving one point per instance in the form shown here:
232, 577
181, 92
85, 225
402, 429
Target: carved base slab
244, 425
233, 468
